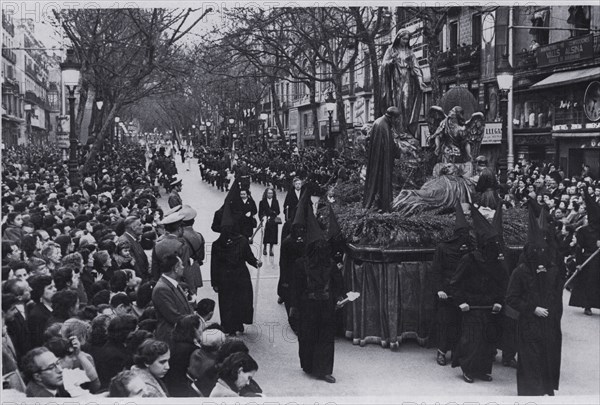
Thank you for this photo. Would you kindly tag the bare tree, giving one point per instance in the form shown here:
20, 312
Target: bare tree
127, 55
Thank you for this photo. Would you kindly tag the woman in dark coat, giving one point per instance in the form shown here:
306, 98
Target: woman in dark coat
230, 277
269, 207
244, 208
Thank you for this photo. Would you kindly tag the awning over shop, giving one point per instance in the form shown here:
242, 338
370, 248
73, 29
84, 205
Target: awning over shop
563, 78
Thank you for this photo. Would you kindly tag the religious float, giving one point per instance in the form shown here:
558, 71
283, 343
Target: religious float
391, 232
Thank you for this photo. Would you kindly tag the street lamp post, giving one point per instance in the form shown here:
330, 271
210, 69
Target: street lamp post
70, 75
208, 124
229, 137
330, 106
28, 112
264, 117
117, 120
193, 132
504, 74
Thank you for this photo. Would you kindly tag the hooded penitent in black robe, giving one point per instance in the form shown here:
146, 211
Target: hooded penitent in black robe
447, 319
380, 167
229, 274
445, 261
478, 282
316, 287
292, 249
539, 339
537, 282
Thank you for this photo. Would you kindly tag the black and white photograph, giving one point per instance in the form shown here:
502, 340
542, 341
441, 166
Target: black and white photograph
300, 202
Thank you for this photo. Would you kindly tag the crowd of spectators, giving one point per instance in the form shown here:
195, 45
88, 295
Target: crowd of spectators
77, 307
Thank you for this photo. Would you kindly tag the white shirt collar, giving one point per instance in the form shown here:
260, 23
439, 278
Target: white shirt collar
172, 281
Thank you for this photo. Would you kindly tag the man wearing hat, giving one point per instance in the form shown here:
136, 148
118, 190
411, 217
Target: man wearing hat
174, 197
171, 242
195, 242
478, 288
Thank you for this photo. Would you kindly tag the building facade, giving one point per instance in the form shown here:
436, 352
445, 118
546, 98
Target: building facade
28, 99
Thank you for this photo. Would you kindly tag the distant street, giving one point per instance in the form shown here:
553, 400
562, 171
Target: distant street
373, 371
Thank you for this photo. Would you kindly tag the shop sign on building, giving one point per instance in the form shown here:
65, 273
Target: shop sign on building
571, 50
492, 134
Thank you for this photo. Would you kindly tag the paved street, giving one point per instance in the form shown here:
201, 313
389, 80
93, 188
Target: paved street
372, 370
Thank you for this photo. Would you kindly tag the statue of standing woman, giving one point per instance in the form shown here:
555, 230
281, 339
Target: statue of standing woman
402, 83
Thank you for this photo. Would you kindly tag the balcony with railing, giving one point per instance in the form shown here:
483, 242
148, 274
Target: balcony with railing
466, 57
9, 54
8, 25
527, 61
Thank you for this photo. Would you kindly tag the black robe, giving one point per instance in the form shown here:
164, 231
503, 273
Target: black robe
586, 285
316, 335
478, 282
447, 319
289, 260
231, 277
380, 167
539, 339
240, 210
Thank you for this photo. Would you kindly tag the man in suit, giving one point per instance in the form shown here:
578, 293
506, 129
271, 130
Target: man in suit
174, 197
291, 200
133, 232
43, 372
42, 291
16, 321
168, 297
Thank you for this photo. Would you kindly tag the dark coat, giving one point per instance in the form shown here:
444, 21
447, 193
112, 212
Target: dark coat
240, 209
37, 321
478, 282
18, 330
165, 245
35, 390
175, 379
315, 301
171, 305
111, 359
231, 277
203, 371
382, 152
539, 339
141, 266
445, 261
586, 285
271, 228
195, 243
174, 199
289, 205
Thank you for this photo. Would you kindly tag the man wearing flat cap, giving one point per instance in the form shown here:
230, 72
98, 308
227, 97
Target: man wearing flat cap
174, 197
169, 243
195, 242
